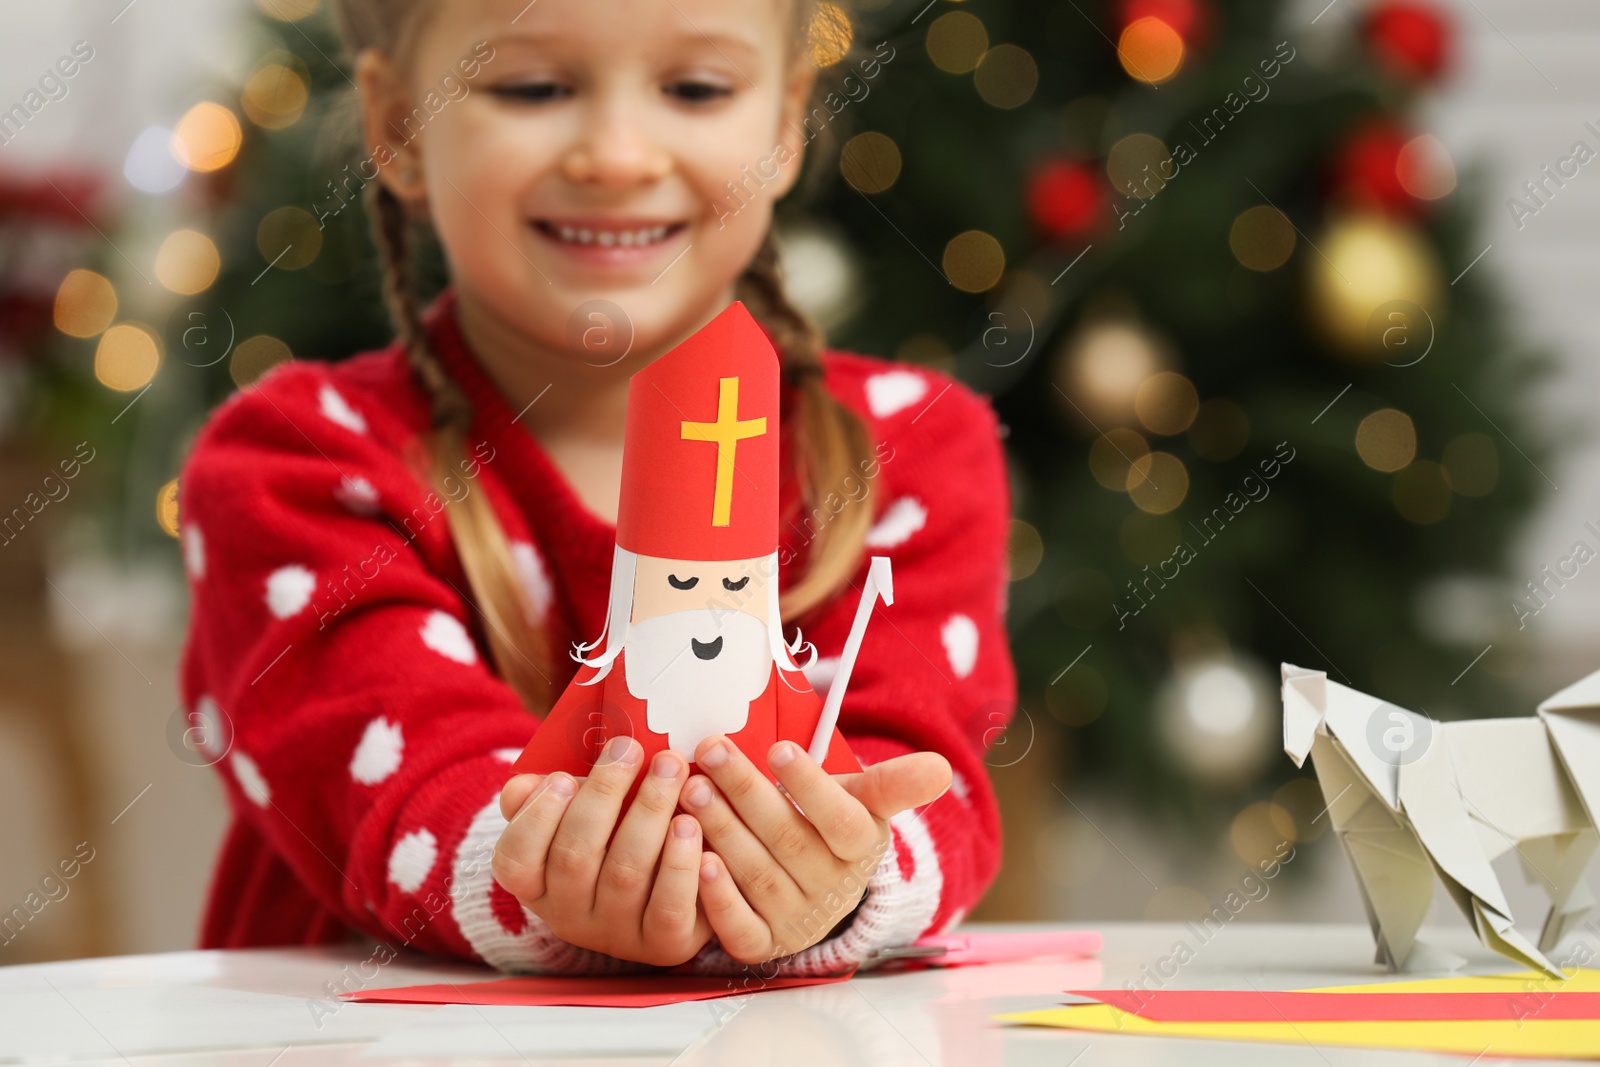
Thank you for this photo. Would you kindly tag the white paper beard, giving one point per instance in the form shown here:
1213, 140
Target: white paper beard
688, 697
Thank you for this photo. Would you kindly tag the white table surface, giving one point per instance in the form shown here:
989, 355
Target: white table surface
270, 1008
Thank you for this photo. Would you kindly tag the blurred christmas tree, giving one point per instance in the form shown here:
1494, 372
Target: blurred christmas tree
1259, 404
1257, 400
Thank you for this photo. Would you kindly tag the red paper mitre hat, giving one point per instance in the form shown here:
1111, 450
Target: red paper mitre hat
700, 458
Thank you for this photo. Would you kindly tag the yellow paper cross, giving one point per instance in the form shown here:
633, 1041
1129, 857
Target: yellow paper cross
727, 432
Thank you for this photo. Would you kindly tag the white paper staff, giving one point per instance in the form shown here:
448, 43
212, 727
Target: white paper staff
880, 583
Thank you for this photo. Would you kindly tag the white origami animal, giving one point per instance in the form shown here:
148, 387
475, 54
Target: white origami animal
1409, 797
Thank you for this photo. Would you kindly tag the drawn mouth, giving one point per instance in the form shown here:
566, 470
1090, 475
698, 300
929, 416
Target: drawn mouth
706, 649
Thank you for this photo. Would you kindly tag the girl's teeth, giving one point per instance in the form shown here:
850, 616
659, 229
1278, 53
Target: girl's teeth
610, 238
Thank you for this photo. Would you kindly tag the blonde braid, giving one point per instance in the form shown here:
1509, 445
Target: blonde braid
518, 646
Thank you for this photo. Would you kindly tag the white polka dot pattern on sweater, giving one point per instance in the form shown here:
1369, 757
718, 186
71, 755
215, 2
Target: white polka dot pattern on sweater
899, 521
960, 639
412, 860
289, 590
446, 636
357, 495
535, 580
337, 410
894, 391
194, 551
378, 754
250, 780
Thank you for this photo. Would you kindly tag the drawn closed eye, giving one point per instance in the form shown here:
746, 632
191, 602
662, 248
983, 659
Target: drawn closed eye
677, 583
732, 586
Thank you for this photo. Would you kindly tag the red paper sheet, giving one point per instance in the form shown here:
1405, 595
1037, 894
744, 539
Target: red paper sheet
611, 991
1249, 1006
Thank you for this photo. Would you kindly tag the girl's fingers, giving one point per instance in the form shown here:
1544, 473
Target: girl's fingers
757, 802
670, 918
846, 826
580, 842
630, 863
744, 935
521, 854
516, 793
767, 885
895, 785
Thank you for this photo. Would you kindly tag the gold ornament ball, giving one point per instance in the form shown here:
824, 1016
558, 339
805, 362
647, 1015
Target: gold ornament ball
1367, 261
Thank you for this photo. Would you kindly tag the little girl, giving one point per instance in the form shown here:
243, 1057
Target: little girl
391, 556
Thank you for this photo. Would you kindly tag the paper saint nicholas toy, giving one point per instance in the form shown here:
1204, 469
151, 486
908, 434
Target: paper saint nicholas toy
693, 645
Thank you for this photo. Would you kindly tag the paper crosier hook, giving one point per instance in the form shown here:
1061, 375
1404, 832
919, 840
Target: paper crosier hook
880, 583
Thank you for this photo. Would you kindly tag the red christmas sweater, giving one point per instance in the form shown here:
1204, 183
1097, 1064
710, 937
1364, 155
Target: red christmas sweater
342, 680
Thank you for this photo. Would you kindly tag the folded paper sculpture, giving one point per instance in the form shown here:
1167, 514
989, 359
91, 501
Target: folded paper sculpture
1410, 798
693, 643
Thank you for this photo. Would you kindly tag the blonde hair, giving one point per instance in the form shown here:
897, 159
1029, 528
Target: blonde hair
833, 447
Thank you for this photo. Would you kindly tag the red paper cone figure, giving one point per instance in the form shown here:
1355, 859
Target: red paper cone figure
693, 644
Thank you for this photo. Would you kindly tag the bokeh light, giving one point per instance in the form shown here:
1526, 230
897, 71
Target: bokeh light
1136, 164
1157, 483
974, 261
1006, 76
1166, 402
167, 508
187, 262
289, 238
870, 161
1421, 493
150, 165
1303, 802
254, 357
1386, 440
1101, 368
1024, 551
1425, 168
207, 138
1112, 456
957, 41
275, 96
1368, 261
1259, 831
1261, 238
127, 357
1150, 50
86, 304
829, 35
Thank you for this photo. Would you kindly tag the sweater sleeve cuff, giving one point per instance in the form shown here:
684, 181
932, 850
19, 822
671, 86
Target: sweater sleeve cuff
482, 912
901, 901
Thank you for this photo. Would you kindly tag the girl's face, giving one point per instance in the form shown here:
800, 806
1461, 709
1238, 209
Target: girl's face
591, 155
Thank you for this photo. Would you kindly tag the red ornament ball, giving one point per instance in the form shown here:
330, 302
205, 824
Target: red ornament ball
1190, 19
1367, 168
1065, 197
1411, 38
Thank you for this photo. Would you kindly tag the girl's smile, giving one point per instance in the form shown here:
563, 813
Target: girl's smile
621, 243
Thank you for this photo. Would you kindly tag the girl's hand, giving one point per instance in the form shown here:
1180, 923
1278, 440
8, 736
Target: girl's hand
793, 875
553, 857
